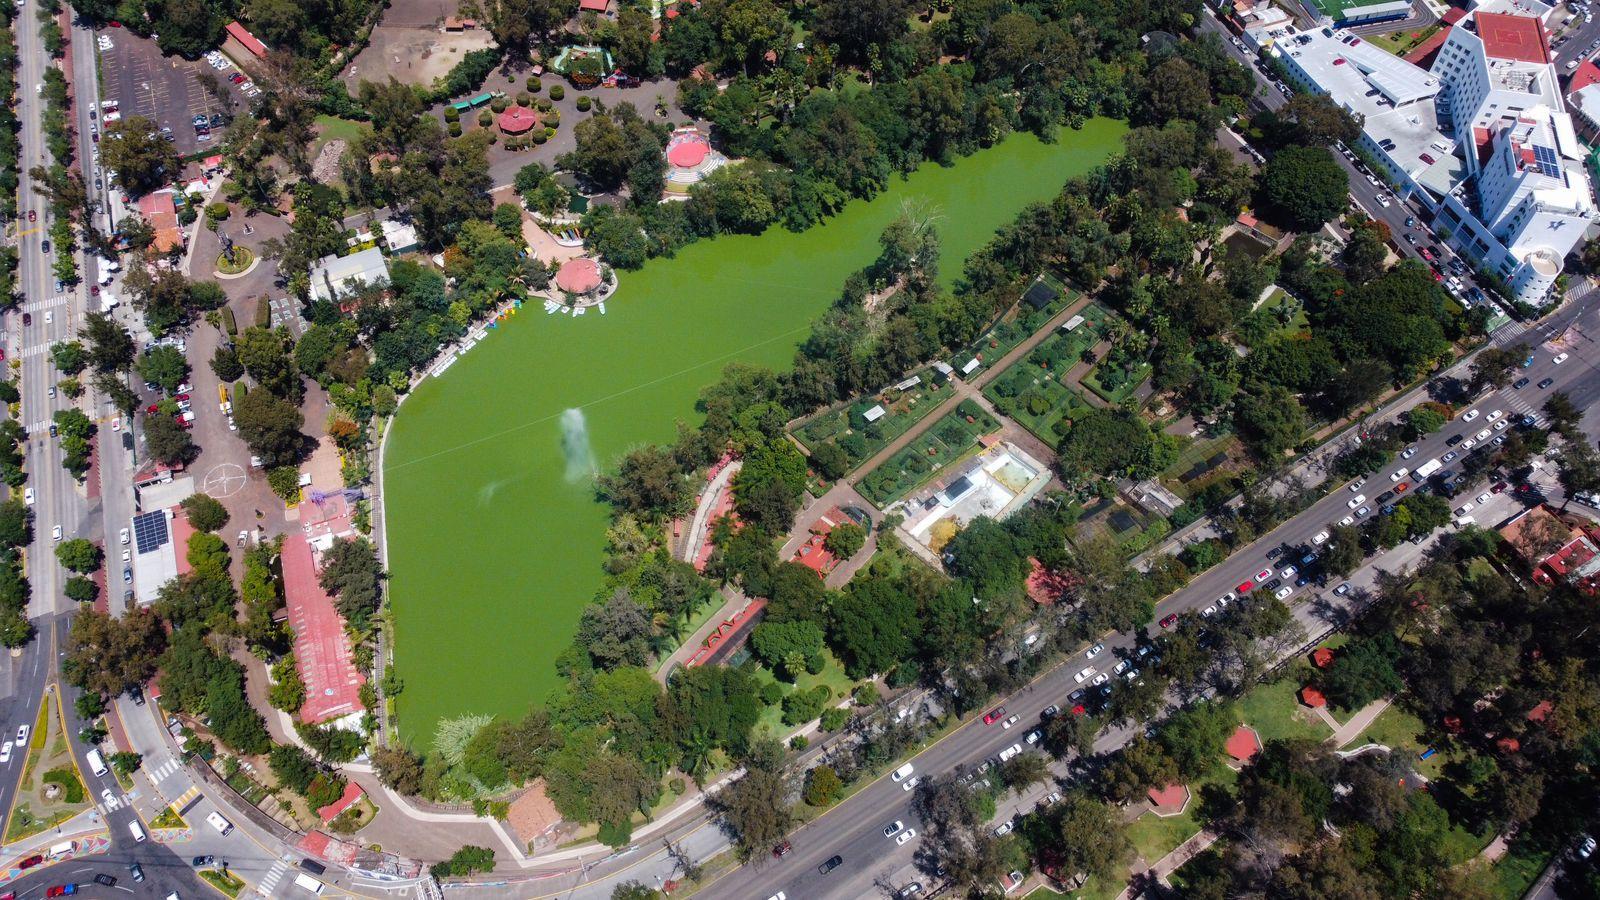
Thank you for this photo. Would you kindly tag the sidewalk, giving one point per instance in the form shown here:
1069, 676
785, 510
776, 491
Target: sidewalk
1358, 723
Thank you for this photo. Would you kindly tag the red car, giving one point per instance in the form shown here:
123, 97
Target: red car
31, 861
994, 715
782, 849
1499, 487
181, 397
94, 290
32, 215
152, 408
1402, 487
1244, 587
1078, 710
1426, 254
61, 890
1169, 621
236, 78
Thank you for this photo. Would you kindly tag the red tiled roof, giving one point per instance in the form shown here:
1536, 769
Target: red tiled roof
1541, 711
1453, 15
1586, 74
243, 36
321, 647
1322, 657
1513, 37
518, 119
580, 275
1312, 697
352, 793
1173, 797
594, 5
1243, 744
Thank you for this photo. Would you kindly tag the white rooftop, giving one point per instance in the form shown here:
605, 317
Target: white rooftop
333, 276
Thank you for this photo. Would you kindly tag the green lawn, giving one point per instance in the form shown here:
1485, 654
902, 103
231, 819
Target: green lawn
1196, 452
1400, 42
1155, 836
1275, 713
1402, 731
1516, 872
832, 675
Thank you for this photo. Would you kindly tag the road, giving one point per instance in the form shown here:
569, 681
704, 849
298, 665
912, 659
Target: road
854, 829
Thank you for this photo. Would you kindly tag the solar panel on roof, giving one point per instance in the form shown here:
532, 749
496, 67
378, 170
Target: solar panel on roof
1546, 158
150, 530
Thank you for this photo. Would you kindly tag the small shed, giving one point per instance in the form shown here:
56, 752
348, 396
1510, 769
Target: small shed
875, 413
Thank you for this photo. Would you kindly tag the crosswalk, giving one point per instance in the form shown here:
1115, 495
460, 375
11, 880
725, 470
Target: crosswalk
117, 802
186, 798
164, 771
273, 876
1523, 407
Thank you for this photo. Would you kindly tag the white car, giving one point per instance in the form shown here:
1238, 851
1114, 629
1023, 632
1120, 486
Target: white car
106, 795
1094, 651
1033, 736
1464, 508
1403, 472
1356, 485
123, 536
127, 556
1003, 829
1010, 721
1408, 452
1208, 611
1469, 415
1501, 425
5, 752
1319, 538
1347, 521
1357, 501
1482, 498
1483, 435
1009, 752
1284, 591
27, 496
893, 828
1122, 667
1102, 678
911, 783
1467, 444
1263, 575
56, 532
1559, 358
116, 424
906, 835
22, 735
49, 316
1363, 512
1083, 674
1493, 414
1287, 572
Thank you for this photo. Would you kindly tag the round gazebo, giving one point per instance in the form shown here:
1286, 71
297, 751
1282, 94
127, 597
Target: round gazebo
580, 276
518, 120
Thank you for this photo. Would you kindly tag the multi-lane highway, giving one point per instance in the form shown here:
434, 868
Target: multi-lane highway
854, 831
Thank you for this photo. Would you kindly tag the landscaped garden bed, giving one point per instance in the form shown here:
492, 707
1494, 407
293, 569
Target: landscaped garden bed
950, 439
51, 790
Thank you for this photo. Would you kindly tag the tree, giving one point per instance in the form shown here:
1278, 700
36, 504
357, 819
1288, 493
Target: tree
845, 540
398, 768
610, 145
1564, 416
168, 441
822, 786
205, 512
1578, 467
141, 157
1305, 187
857, 28
1024, 771
1342, 552
271, 427
111, 347
615, 633
1317, 121
225, 364
1088, 837
164, 366
830, 461
466, 861
79, 555
69, 357
112, 656
352, 574
1270, 419
756, 807
1363, 671
649, 482
785, 646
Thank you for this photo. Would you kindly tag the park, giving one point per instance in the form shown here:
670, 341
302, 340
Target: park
494, 532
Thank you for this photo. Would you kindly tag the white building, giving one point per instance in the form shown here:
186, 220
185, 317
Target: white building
336, 277
1482, 138
398, 236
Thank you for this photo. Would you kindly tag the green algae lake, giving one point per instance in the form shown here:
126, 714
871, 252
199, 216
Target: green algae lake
493, 550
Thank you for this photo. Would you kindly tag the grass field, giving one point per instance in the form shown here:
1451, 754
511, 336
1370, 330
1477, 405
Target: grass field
1274, 712
493, 551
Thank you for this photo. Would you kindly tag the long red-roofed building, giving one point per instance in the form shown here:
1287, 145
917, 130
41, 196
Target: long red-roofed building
321, 648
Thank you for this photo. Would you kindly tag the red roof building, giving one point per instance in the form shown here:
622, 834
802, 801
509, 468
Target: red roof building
161, 211
247, 40
1520, 38
1576, 558
1312, 697
579, 275
1586, 74
321, 648
1243, 744
517, 120
352, 793
595, 6
1169, 800
1322, 657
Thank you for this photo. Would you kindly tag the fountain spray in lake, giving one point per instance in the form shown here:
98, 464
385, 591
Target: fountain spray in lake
575, 444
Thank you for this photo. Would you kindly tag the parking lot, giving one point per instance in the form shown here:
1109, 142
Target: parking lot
163, 89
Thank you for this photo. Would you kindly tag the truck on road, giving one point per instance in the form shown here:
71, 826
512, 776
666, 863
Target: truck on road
1426, 470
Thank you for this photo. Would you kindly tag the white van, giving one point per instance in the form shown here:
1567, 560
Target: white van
137, 830
62, 849
308, 883
903, 772
96, 762
223, 826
